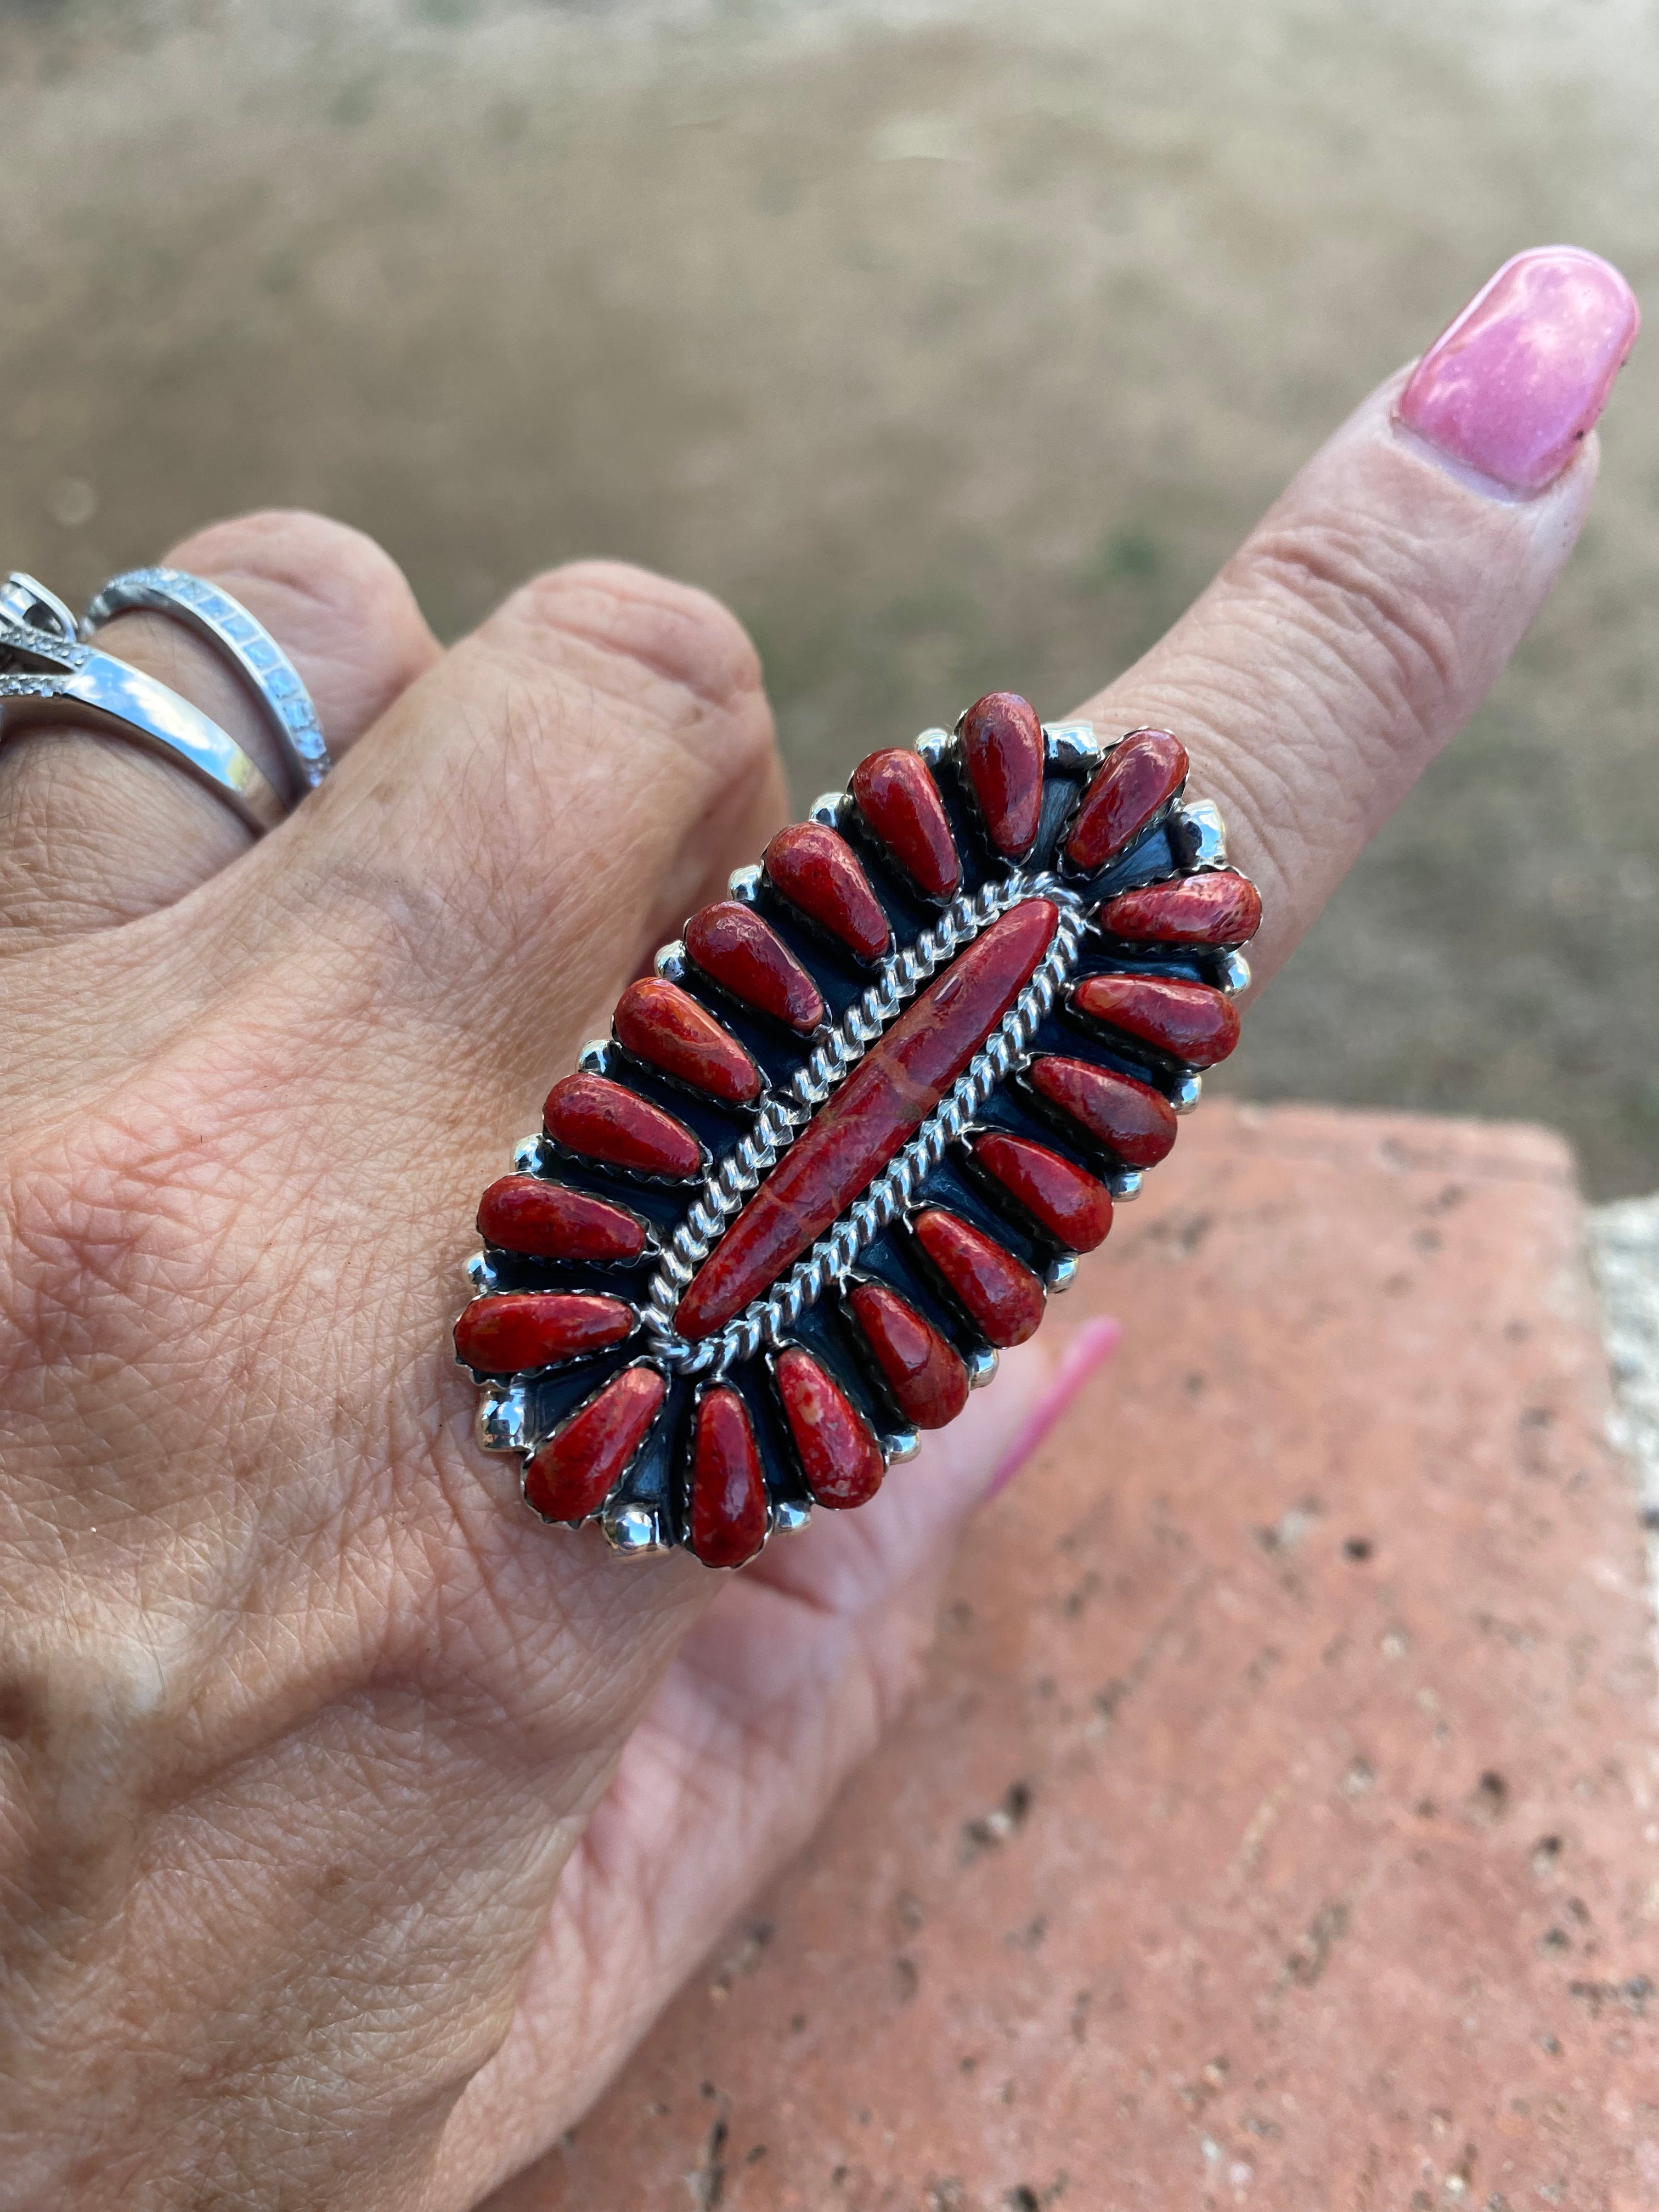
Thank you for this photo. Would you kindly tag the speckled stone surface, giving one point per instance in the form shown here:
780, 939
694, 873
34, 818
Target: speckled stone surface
1279, 1824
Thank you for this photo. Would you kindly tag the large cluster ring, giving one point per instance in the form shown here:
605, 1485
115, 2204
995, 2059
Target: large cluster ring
225, 624
842, 1147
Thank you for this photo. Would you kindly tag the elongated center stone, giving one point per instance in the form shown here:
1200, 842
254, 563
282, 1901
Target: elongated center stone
870, 1119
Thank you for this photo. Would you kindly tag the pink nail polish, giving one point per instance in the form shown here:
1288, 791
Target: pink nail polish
1514, 385
1093, 1344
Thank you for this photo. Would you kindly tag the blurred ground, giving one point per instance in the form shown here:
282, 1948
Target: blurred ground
953, 344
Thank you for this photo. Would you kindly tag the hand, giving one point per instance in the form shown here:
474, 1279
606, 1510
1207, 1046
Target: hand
353, 1827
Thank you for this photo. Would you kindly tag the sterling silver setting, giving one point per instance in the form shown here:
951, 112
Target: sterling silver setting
241, 640
1126, 922
47, 676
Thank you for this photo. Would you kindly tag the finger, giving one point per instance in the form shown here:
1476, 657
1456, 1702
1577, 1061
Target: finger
542, 809
95, 831
782, 1687
1362, 623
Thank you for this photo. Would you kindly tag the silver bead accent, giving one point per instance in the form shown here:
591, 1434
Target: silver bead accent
634, 1532
787, 1518
1071, 745
903, 1445
595, 1056
744, 884
981, 1367
1233, 975
527, 1154
501, 1419
669, 963
1200, 834
479, 1271
935, 746
1061, 1273
1187, 1093
827, 808
1124, 1183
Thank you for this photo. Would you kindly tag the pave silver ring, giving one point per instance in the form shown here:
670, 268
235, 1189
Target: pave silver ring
225, 623
47, 676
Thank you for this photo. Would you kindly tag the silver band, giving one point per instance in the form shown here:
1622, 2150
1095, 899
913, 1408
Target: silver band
46, 676
226, 624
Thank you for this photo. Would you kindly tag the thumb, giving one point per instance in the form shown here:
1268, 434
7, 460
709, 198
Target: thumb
1364, 621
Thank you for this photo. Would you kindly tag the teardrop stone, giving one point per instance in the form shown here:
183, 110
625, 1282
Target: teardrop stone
899, 800
1002, 751
1221, 909
605, 1120
508, 1331
818, 872
1189, 1020
839, 1456
575, 1472
747, 957
1137, 777
1072, 1205
667, 1028
1136, 1121
1003, 1296
545, 1221
728, 1491
928, 1381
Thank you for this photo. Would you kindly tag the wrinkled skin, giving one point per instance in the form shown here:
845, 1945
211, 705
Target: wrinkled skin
353, 1827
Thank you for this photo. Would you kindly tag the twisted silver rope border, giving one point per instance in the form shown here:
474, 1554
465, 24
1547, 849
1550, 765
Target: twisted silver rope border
766, 1320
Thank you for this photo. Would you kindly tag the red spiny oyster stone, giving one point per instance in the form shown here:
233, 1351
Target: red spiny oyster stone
1223, 908
819, 872
1137, 777
1137, 1121
604, 1121
839, 1456
898, 798
1003, 1296
1070, 1204
926, 1378
752, 961
1002, 751
1190, 1020
728, 1493
573, 1474
665, 1026
508, 1331
870, 1118
521, 1213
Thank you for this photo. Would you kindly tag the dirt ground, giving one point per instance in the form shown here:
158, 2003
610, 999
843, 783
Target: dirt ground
953, 344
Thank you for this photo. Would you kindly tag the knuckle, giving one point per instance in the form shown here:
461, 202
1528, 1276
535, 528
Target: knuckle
328, 592
659, 633
309, 554
1363, 613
